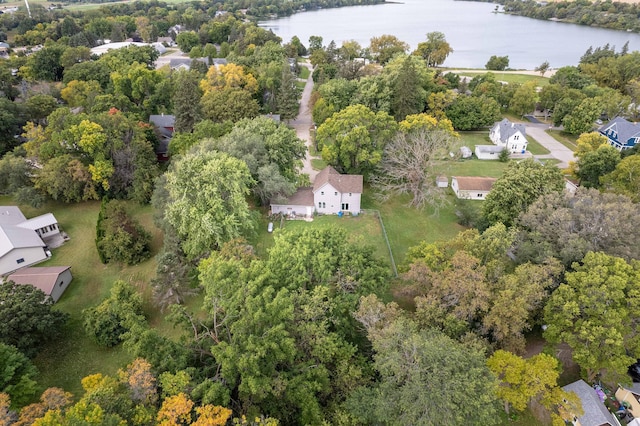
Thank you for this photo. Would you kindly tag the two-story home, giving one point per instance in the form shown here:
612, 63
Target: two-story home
511, 136
332, 193
622, 134
22, 240
595, 413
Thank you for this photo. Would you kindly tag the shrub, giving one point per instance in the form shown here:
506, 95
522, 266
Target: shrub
119, 237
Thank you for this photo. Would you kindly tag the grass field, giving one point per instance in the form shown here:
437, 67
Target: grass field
304, 72
535, 148
564, 138
508, 77
64, 362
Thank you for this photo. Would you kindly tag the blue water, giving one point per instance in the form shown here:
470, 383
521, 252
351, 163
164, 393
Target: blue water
472, 29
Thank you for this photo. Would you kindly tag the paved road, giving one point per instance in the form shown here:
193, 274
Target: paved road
559, 151
303, 122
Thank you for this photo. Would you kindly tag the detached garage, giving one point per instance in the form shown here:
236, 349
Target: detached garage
52, 280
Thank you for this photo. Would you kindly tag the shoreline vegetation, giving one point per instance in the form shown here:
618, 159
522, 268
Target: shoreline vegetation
621, 16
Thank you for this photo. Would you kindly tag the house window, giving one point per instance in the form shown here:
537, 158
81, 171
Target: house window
480, 195
321, 192
61, 283
335, 193
345, 206
349, 194
319, 205
51, 228
21, 260
324, 205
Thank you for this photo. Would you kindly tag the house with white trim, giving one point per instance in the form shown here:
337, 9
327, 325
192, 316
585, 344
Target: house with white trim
512, 136
23, 241
622, 134
332, 193
472, 187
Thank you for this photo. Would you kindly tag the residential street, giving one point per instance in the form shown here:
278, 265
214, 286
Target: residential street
303, 122
559, 151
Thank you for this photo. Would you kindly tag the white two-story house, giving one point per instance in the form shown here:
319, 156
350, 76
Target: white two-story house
511, 136
332, 193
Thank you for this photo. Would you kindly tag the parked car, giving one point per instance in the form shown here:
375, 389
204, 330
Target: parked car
270, 227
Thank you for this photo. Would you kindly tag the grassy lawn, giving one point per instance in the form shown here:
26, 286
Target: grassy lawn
304, 72
318, 163
535, 148
300, 84
510, 78
471, 139
63, 363
564, 138
473, 167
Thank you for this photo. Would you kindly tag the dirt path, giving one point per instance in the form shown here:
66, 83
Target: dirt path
303, 122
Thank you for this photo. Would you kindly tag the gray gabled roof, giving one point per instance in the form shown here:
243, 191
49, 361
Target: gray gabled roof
595, 413
625, 129
163, 120
508, 129
16, 231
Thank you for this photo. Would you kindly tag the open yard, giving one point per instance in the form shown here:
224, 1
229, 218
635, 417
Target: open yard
508, 77
65, 362
564, 138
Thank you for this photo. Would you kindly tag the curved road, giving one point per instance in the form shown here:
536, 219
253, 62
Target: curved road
303, 122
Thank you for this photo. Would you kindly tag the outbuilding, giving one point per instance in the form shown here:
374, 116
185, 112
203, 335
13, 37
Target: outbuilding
471, 188
52, 280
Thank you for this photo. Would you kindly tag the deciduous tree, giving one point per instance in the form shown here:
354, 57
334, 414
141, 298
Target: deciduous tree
596, 312
497, 63
435, 50
386, 46
17, 375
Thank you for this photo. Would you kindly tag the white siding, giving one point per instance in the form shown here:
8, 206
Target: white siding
327, 199
465, 194
288, 209
30, 255
351, 202
61, 285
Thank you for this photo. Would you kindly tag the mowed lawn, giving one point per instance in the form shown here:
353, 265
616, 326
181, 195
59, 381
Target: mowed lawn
64, 362
509, 77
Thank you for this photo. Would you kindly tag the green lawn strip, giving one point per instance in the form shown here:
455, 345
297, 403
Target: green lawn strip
304, 72
535, 148
516, 418
65, 362
318, 164
472, 167
564, 138
300, 84
509, 77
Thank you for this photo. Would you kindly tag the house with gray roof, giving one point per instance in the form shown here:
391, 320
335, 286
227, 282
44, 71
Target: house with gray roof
595, 412
511, 136
622, 134
332, 193
23, 242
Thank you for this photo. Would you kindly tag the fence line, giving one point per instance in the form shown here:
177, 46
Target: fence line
386, 239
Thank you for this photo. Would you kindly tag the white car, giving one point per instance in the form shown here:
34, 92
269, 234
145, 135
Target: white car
270, 227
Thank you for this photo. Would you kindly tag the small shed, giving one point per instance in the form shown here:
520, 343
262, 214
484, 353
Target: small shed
52, 280
465, 151
442, 181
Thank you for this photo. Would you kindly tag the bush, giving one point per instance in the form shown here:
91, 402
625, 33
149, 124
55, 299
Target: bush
116, 315
504, 156
119, 237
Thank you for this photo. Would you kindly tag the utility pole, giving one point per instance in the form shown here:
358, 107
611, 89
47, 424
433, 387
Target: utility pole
28, 9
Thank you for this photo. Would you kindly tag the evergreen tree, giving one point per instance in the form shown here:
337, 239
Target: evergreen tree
407, 91
186, 100
288, 94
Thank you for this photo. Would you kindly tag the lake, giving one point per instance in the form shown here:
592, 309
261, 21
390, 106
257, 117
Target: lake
471, 28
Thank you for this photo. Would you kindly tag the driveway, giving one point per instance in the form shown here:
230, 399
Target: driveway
558, 151
303, 122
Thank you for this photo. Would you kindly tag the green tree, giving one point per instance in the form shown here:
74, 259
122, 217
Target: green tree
497, 63
15, 173
187, 40
521, 184
532, 379
229, 104
386, 46
207, 200
524, 99
435, 50
17, 375
471, 112
186, 100
46, 64
625, 179
27, 319
40, 106
420, 382
593, 165
115, 315
582, 117
543, 68
601, 343
353, 139
287, 97
408, 94
120, 237
567, 226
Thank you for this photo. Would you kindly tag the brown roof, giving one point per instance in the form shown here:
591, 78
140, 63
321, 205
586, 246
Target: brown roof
302, 197
43, 278
343, 183
467, 183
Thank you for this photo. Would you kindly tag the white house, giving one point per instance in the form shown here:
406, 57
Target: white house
471, 188
332, 193
488, 152
22, 241
594, 410
511, 136
52, 280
